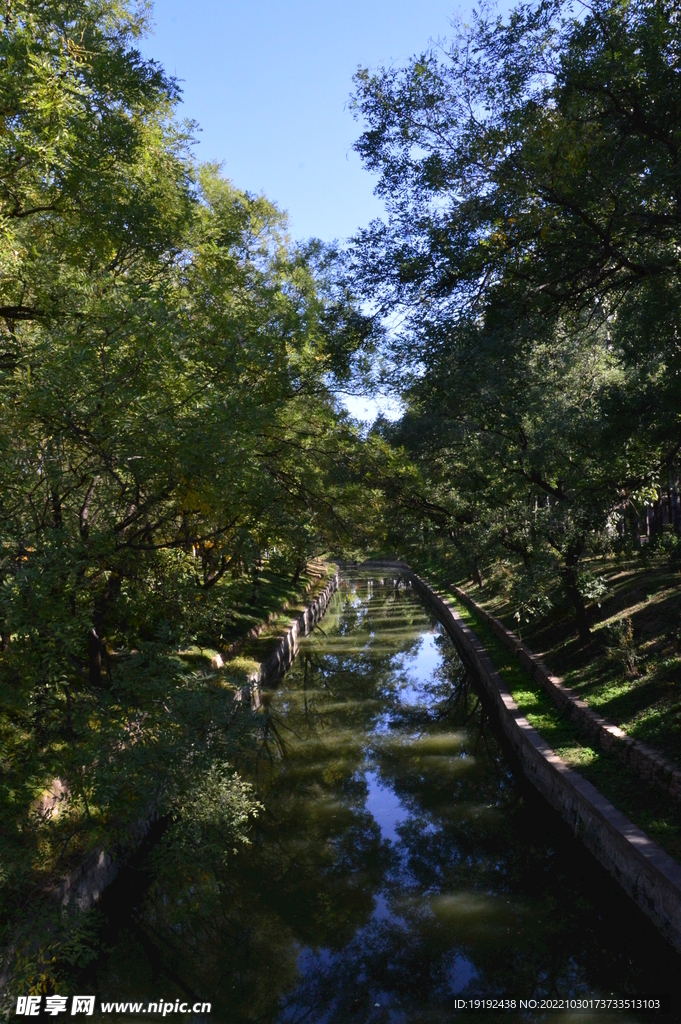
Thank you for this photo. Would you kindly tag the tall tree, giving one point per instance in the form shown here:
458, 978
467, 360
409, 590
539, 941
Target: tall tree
532, 186
167, 421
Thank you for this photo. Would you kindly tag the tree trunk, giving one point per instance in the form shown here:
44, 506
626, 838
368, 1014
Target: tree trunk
57, 519
675, 509
296, 575
69, 722
96, 646
578, 602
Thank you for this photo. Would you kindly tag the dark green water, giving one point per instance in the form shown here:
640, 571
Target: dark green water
399, 863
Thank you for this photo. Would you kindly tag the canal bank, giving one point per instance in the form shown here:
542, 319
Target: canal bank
83, 887
648, 874
398, 861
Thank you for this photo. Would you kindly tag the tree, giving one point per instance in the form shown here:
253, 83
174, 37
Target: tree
532, 185
167, 421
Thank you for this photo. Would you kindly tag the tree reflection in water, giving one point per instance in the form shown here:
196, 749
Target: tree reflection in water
398, 862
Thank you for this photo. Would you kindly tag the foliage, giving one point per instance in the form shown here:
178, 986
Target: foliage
619, 637
532, 187
214, 815
167, 423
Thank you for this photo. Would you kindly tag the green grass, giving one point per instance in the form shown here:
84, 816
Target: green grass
639, 686
279, 600
279, 603
643, 802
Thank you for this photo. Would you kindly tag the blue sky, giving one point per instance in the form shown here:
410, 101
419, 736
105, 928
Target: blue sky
268, 82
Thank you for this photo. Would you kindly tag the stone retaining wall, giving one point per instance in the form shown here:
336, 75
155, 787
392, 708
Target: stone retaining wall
644, 871
287, 645
649, 763
83, 886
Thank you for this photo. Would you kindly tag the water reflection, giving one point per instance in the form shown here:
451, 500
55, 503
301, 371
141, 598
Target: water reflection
384, 806
398, 862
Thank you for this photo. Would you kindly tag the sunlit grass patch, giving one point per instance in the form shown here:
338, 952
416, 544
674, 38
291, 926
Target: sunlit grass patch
241, 666
617, 688
526, 698
642, 801
577, 756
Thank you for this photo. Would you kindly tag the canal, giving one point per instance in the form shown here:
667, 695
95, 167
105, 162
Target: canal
400, 861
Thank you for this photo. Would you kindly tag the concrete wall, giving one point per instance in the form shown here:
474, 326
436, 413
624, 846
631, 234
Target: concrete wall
644, 871
83, 886
287, 645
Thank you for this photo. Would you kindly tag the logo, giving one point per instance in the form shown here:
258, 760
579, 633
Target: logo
55, 1005
29, 1006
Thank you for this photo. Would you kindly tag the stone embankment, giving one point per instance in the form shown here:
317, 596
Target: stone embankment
649, 763
649, 875
83, 887
286, 646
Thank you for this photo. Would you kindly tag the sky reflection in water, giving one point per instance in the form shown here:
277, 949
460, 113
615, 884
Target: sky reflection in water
399, 862
457, 891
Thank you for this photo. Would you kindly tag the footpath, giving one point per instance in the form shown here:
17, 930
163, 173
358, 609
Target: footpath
648, 762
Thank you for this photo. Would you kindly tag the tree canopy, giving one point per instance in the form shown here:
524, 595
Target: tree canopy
168, 427
170, 364
531, 177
